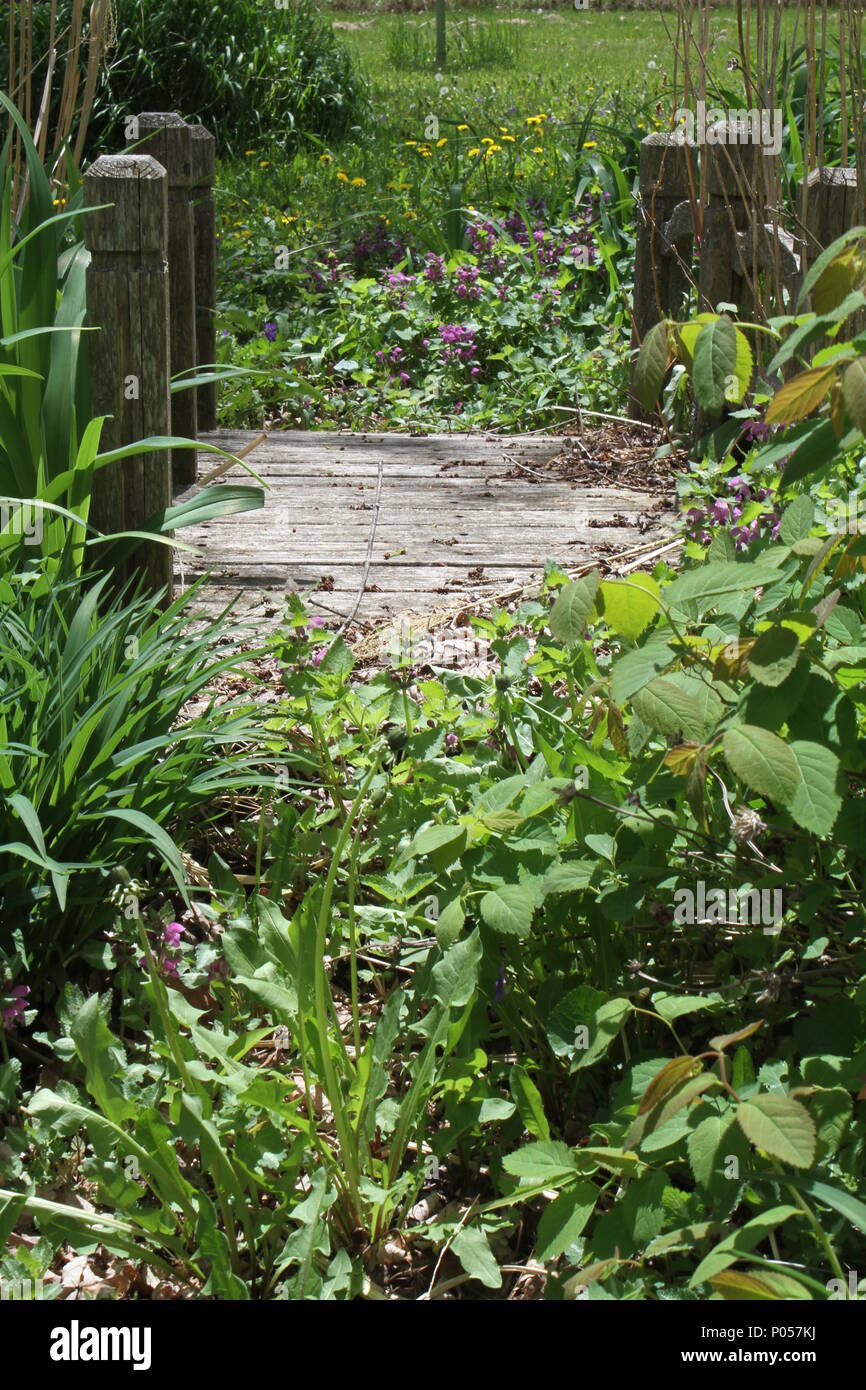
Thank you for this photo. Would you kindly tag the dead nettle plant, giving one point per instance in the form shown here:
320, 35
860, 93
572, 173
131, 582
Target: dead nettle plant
46, 83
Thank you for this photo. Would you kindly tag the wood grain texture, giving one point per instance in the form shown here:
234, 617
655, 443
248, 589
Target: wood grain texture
456, 522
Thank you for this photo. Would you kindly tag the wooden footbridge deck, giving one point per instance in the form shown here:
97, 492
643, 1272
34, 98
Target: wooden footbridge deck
436, 520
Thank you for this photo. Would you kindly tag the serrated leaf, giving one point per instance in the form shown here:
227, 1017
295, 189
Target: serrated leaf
762, 761
801, 395
545, 1162
782, 1127
509, 909
817, 799
797, 520
633, 670
668, 709
455, 976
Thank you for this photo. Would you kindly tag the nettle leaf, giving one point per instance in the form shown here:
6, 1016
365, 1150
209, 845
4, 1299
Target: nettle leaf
781, 1126
669, 710
630, 605
774, 655
797, 520
563, 1220
570, 614
715, 364
800, 396
743, 369
817, 800
549, 1161
652, 363
854, 392
762, 761
509, 909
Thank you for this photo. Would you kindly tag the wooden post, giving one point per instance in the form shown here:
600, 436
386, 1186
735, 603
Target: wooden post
165, 136
663, 250
828, 204
204, 216
128, 302
441, 54
738, 176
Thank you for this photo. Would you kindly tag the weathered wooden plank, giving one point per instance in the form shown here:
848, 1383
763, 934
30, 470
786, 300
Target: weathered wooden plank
128, 303
168, 138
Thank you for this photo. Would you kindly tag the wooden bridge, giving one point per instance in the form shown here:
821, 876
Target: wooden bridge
418, 525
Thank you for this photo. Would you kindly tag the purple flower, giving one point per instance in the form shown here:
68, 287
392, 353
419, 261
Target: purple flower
720, 510
452, 742
14, 1011
172, 935
319, 656
271, 332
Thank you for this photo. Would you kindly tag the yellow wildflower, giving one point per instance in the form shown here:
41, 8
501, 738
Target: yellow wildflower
443, 141
590, 144
342, 176
474, 151
463, 127
326, 158
509, 138
264, 164
359, 183
411, 143
249, 153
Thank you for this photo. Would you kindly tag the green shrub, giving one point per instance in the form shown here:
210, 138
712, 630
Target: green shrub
238, 66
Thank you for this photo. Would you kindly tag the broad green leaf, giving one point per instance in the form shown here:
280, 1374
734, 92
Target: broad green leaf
529, 1103
509, 909
441, 844
651, 365
472, 1249
774, 655
455, 976
563, 1220
800, 396
817, 799
570, 613
762, 761
781, 1126
630, 605
741, 1241
715, 364
669, 710
854, 392
767, 1284
797, 520
545, 1162
706, 583
635, 669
